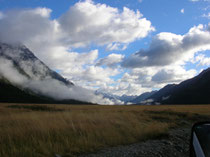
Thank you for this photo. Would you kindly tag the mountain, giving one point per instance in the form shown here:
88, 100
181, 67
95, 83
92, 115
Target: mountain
125, 99
192, 91
19, 68
28, 64
139, 99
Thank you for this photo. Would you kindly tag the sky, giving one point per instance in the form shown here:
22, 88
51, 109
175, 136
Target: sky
119, 47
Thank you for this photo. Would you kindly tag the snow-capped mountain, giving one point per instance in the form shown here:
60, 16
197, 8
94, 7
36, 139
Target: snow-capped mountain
124, 99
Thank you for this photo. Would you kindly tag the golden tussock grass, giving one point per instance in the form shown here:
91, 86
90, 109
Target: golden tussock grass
44, 130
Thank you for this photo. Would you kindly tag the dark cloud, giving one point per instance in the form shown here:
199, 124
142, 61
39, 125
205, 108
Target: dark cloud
168, 48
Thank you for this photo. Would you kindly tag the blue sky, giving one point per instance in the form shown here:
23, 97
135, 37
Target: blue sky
165, 15
97, 66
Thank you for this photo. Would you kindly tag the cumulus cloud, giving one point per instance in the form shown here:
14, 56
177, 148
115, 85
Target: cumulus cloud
182, 11
168, 48
116, 46
140, 80
173, 75
84, 24
87, 22
25, 24
111, 60
202, 60
124, 87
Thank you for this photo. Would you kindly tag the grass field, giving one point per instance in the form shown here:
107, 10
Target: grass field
29, 130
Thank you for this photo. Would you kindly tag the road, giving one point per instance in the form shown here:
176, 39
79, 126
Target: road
175, 145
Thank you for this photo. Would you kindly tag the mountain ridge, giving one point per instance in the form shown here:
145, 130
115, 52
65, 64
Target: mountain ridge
192, 91
21, 57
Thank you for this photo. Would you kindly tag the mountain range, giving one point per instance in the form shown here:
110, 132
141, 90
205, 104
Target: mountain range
192, 91
125, 99
26, 79
141, 98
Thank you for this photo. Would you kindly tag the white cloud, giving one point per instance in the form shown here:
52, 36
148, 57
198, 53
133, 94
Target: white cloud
87, 22
173, 74
7, 70
164, 61
116, 46
80, 67
111, 60
182, 11
84, 23
26, 25
62, 92
202, 60
169, 48
206, 15
44, 12
48, 86
140, 80
126, 88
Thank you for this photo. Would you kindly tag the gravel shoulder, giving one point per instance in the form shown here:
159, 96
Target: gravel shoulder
175, 145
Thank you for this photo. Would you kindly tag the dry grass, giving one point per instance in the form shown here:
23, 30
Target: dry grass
44, 130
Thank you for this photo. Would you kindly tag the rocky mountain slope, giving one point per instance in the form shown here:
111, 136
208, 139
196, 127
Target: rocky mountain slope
22, 74
139, 99
28, 64
124, 99
193, 91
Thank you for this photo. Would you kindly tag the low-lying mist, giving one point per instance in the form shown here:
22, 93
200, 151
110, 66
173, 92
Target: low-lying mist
48, 86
